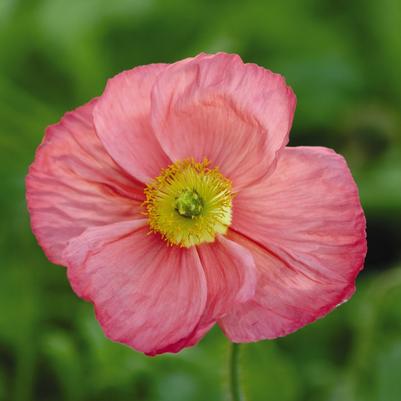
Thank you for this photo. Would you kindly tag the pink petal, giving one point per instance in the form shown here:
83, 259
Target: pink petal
73, 184
230, 275
237, 115
146, 294
306, 230
231, 280
122, 120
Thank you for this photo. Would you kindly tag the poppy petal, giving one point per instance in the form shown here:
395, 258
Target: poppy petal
146, 294
306, 230
73, 184
122, 121
236, 115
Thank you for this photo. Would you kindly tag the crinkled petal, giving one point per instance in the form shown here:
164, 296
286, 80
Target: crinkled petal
73, 184
231, 280
306, 229
146, 294
216, 107
122, 120
230, 275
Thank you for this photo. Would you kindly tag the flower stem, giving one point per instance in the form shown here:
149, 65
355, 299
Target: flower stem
234, 382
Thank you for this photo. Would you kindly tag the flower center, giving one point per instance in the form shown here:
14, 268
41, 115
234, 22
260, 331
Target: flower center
189, 203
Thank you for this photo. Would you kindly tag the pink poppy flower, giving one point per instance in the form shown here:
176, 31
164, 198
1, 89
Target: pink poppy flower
174, 203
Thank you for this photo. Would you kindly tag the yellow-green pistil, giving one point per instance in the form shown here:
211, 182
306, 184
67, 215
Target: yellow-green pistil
189, 203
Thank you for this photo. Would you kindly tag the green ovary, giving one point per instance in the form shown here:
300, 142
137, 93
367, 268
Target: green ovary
189, 204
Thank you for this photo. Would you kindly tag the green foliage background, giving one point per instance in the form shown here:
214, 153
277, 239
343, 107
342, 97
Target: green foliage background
343, 59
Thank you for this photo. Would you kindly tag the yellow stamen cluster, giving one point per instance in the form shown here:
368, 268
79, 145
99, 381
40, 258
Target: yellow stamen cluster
189, 203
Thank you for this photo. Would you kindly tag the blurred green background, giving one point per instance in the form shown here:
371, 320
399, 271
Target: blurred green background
343, 59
